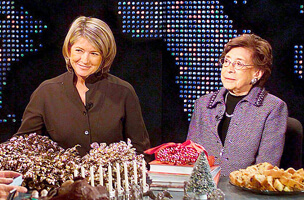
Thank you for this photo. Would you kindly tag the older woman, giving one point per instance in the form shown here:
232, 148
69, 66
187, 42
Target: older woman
241, 124
87, 104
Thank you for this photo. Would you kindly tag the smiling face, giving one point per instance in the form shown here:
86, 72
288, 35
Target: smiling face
84, 58
238, 82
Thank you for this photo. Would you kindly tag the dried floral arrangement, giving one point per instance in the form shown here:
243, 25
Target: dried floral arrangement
46, 165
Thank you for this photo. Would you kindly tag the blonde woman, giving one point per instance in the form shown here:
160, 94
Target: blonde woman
87, 104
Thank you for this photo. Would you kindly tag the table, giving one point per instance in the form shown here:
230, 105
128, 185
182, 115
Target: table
231, 193
235, 193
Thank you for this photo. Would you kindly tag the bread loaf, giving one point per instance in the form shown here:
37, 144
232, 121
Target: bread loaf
264, 176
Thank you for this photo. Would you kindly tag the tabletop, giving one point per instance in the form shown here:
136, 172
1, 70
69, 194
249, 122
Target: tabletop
231, 193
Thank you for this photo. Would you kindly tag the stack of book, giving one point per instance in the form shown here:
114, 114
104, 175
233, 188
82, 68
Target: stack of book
172, 177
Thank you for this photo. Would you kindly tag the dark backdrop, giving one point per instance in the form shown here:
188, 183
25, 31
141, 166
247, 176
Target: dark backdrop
146, 63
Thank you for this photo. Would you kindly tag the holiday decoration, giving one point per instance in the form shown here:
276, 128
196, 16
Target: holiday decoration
179, 153
201, 182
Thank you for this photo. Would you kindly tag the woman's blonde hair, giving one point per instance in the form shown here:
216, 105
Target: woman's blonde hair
100, 36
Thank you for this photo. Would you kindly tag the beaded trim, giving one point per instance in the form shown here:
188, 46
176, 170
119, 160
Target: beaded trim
259, 100
212, 98
260, 97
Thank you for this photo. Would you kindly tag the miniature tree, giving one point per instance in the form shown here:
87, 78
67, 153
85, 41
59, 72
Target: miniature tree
201, 182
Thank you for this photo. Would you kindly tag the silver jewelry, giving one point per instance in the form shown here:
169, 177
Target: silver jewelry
227, 115
254, 81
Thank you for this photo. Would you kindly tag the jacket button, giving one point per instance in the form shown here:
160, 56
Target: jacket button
84, 113
86, 132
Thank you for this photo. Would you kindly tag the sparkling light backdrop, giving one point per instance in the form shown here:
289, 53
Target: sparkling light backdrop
18, 30
194, 33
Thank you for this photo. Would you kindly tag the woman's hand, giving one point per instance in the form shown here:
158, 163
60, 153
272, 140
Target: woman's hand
7, 177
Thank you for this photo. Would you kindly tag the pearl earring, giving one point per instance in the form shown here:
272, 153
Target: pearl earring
254, 81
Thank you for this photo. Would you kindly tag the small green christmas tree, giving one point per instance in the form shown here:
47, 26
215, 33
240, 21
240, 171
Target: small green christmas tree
201, 181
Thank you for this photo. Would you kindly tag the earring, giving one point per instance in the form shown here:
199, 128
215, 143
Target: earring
254, 81
68, 65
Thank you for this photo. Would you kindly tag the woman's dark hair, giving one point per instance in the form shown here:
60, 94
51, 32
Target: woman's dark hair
261, 53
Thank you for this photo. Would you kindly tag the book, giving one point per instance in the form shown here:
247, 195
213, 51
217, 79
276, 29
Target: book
157, 166
161, 176
175, 181
162, 188
167, 184
175, 177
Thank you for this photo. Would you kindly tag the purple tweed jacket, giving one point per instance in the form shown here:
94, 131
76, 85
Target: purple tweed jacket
256, 132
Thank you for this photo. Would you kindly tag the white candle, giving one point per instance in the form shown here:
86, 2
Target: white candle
118, 177
135, 172
126, 177
110, 177
92, 175
75, 173
82, 172
144, 172
100, 175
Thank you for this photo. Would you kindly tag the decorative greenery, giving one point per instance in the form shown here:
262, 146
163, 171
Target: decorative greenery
201, 181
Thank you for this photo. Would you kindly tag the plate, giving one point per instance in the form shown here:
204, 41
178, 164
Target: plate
267, 191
